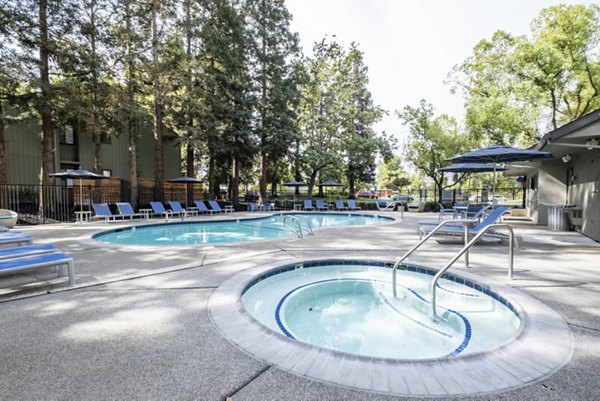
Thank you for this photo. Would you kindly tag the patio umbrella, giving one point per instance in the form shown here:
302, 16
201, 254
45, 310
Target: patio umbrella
329, 184
296, 184
79, 174
186, 180
497, 154
471, 168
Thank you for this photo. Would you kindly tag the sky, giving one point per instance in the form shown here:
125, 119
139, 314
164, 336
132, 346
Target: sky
410, 46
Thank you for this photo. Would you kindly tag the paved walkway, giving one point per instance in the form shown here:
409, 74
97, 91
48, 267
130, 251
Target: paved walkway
137, 324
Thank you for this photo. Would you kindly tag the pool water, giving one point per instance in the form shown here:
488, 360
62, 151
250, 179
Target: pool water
191, 233
350, 308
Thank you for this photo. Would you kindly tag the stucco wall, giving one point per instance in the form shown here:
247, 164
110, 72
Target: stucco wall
23, 151
586, 168
551, 188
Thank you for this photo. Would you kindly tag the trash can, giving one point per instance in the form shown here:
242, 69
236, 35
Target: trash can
558, 220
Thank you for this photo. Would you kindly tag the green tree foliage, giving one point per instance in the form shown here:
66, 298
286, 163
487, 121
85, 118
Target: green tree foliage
127, 74
87, 69
336, 116
275, 53
391, 175
360, 144
320, 112
432, 141
228, 102
516, 85
37, 29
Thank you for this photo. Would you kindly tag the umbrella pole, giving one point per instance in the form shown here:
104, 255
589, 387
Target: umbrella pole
494, 189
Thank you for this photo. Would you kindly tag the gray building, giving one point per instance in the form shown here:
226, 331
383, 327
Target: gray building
74, 149
571, 178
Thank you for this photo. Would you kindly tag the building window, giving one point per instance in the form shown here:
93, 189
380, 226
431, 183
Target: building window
67, 136
533, 182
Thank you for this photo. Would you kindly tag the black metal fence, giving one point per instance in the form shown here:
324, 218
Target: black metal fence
37, 204
41, 204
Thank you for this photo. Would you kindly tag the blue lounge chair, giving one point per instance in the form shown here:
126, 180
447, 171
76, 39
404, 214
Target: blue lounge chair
444, 211
339, 205
352, 205
126, 210
102, 211
269, 207
202, 207
179, 210
32, 262
308, 205
214, 205
475, 218
320, 205
495, 215
477, 211
253, 207
15, 239
158, 209
27, 250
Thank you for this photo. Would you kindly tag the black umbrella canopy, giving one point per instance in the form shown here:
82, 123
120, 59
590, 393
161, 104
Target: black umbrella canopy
185, 179
471, 168
500, 154
293, 184
330, 184
78, 174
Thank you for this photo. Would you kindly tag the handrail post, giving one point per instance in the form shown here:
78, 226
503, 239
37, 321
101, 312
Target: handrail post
466, 242
465, 249
465, 223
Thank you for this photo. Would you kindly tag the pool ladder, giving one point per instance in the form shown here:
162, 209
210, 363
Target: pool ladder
463, 251
294, 224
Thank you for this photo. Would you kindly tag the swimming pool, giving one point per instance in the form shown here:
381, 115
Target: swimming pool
541, 345
350, 308
225, 231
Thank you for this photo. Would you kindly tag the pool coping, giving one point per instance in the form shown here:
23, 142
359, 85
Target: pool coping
228, 218
544, 345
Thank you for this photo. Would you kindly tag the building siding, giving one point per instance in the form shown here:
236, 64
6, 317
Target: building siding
23, 148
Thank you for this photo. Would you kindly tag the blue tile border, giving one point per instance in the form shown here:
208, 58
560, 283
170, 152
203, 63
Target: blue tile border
411, 268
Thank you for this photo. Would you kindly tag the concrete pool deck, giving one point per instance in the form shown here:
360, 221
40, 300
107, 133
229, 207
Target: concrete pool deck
137, 325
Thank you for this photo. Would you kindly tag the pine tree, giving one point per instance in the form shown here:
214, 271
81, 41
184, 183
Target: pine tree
38, 28
275, 54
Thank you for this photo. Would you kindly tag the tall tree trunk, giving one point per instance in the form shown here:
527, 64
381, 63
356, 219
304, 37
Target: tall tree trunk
45, 108
351, 185
3, 171
262, 184
235, 180
274, 183
311, 183
189, 150
211, 176
131, 129
159, 173
95, 102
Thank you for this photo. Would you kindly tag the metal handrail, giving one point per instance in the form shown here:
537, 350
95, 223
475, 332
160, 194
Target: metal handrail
465, 223
294, 220
308, 225
465, 249
298, 220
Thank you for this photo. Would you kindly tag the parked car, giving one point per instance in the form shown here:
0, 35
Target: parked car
402, 198
367, 195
